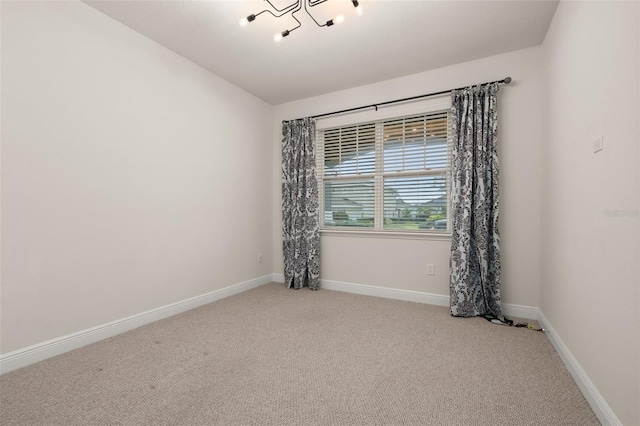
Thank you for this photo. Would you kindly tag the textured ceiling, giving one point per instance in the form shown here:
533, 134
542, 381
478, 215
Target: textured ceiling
392, 38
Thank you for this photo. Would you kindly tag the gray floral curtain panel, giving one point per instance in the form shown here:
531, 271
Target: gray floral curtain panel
475, 243
300, 215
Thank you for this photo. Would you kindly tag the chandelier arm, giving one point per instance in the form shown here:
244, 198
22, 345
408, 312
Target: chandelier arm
286, 9
309, 13
313, 3
294, 16
299, 23
273, 14
267, 11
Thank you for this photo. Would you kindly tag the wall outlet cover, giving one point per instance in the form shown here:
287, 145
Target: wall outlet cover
598, 145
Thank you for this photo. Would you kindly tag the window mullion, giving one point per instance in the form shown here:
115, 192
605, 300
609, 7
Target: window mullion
378, 180
357, 151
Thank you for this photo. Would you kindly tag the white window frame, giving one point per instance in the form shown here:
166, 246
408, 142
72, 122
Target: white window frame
425, 106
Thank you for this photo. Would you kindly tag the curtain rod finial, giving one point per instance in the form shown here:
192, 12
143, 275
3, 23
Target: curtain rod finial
507, 80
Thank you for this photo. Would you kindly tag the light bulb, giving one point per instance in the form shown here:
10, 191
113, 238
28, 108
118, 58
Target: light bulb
279, 36
245, 21
339, 19
359, 10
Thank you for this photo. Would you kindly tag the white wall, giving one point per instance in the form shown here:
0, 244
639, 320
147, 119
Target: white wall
131, 178
401, 263
590, 277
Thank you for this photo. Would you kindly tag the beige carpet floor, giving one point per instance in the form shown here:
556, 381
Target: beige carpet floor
272, 356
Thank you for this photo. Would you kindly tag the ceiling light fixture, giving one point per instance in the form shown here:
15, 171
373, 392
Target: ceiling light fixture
294, 8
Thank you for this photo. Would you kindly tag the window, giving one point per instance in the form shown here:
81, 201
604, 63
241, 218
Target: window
386, 175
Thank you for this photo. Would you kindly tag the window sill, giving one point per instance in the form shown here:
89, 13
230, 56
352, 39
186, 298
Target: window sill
370, 233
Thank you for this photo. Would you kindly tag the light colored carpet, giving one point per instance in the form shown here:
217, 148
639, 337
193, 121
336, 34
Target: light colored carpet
272, 356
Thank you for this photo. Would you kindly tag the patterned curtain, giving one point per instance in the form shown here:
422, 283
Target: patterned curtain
300, 216
475, 243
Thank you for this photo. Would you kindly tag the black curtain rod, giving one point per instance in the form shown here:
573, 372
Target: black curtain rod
506, 80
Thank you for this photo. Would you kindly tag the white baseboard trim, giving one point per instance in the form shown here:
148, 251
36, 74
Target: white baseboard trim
387, 293
41, 351
518, 311
602, 410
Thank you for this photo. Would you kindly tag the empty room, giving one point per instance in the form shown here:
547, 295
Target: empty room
320, 212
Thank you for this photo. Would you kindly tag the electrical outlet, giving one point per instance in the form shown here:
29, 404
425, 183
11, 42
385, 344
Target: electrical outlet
430, 269
259, 257
598, 145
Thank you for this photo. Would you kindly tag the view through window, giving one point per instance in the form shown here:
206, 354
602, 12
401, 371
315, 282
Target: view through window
386, 175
